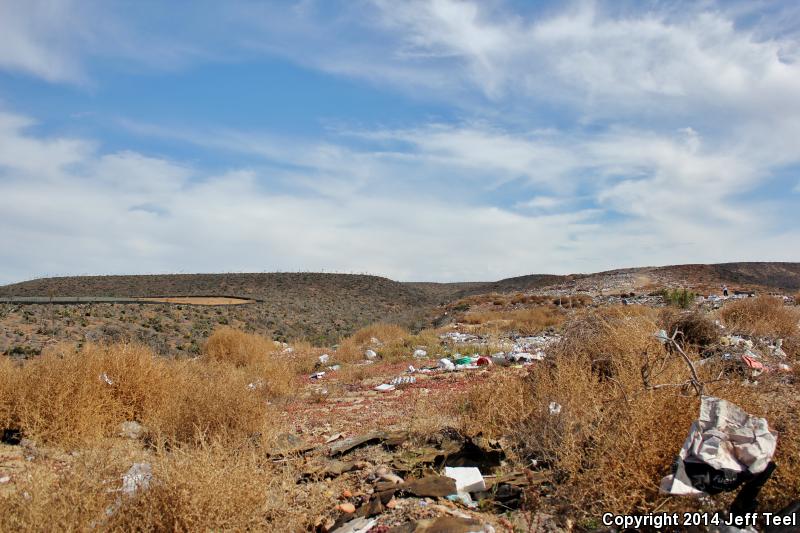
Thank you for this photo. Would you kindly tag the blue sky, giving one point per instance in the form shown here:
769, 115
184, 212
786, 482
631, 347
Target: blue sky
440, 140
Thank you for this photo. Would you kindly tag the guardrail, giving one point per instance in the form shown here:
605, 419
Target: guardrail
73, 300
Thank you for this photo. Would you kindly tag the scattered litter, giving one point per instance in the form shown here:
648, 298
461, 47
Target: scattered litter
403, 380
725, 448
467, 478
483, 361
370, 354
317, 375
107, 379
334, 368
500, 359
324, 358
131, 429
411, 369
5, 479
662, 336
524, 357
446, 364
463, 498
357, 525
459, 338
420, 353
137, 477
259, 383
384, 387
555, 408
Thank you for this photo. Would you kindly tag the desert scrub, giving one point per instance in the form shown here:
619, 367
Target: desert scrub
683, 298
762, 316
696, 329
352, 348
525, 321
78, 397
211, 487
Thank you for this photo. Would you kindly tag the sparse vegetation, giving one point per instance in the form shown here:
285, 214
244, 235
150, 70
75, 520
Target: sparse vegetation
68, 396
623, 414
234, 425
695, 328
763, 315
525, 321
682, 298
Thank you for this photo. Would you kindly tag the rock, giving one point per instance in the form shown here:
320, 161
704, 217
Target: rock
131, 430
370, 354
433, 486
346, 507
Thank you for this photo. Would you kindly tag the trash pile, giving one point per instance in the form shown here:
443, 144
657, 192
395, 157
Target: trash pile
526, 350
431, 487
751, 358
456, 337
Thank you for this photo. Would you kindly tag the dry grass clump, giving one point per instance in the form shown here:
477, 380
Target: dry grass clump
207, 401
526, 321
259, 356
352, 348
72, 397
7, 390
495, 407
238, 348
210, 488
214, 489
761, 316
697, 329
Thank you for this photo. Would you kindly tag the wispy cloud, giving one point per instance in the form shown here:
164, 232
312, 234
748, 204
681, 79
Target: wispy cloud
578, 137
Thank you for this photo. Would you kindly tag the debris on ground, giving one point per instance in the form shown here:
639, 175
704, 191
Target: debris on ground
131, 430
725, 448
137, 478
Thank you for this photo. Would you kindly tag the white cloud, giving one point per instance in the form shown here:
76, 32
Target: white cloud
39, 38
586, 140
126, 212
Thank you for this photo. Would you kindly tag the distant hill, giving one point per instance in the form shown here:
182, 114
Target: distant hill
294, 305
763, 275
323, 307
